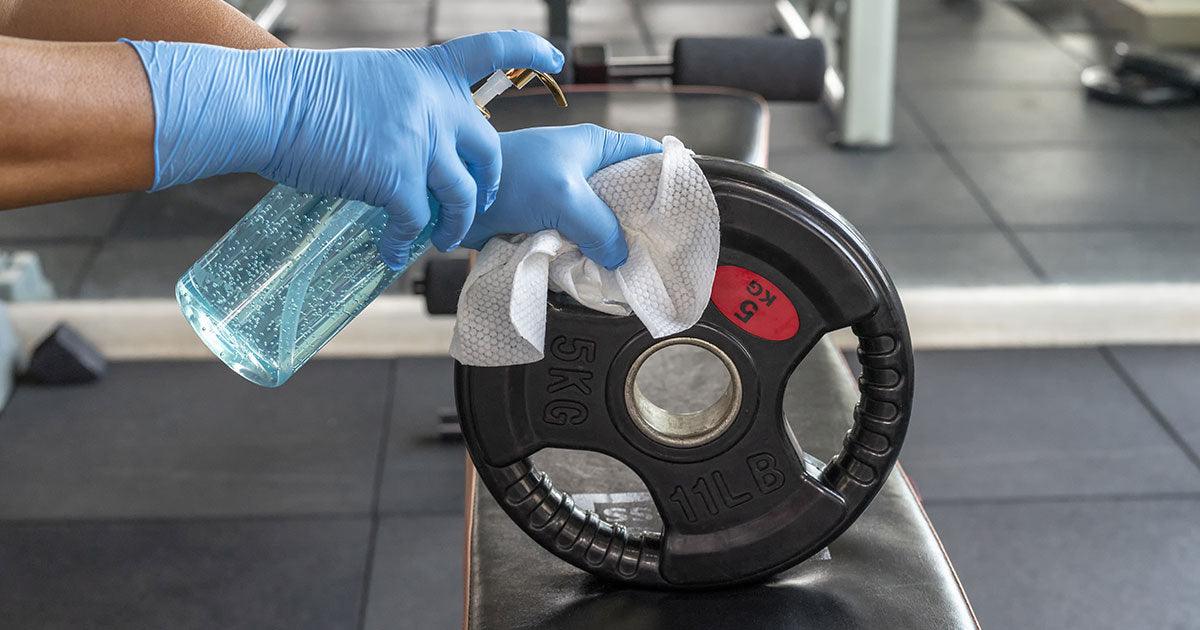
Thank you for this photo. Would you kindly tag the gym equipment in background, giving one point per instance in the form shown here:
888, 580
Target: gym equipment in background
1145, 76
441, 284
856, 85
22, 278
738, 498
1168, 23
10, 356
265, 13
859, 85
65, 357
774, 67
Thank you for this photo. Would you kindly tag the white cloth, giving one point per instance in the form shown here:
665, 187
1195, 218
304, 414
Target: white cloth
672, 225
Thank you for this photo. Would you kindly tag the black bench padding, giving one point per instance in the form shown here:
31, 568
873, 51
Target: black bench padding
887, 571
720, 122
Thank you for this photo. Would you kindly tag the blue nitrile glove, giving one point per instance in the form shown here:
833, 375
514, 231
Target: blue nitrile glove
545, 187
380, 126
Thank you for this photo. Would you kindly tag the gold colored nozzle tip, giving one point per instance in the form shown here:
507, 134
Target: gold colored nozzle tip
521, 77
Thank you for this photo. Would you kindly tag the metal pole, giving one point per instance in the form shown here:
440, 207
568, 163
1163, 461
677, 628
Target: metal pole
559, 18
869, 73
860, 80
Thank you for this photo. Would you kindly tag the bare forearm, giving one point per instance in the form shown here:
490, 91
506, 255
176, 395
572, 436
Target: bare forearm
77, 121
200, 21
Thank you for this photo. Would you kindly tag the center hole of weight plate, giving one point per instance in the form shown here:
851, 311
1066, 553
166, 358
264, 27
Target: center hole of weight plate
683, 392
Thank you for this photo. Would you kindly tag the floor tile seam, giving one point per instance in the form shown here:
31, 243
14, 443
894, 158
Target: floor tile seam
398, 513
1064, 499
781, 150
950, 85
973, 188
1168, 144
894, 229
89, 262
7, 241
135, 519
955, 36
1052, 34
1031, 228
86, 267
1044, 86
1047, 35
381, 454
122, 217
1034, 25
1084, 228
1150, 406
1174, 147
75, 283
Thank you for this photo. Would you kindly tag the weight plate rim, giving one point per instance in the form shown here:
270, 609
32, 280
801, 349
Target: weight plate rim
812, 208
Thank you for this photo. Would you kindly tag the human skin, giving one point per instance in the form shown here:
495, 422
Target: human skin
76, 118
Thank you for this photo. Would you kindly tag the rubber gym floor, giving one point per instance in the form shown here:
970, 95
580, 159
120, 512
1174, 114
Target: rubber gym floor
1065, 483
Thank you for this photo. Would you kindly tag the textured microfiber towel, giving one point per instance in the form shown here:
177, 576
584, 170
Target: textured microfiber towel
672, 225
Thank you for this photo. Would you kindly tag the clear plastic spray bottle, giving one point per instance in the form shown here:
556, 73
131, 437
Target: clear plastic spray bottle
299, 267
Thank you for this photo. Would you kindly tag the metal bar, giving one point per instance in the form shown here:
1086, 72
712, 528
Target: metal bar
791, 21
869, 72
559, 19
795, 26
861, 74
268, 17
642, 67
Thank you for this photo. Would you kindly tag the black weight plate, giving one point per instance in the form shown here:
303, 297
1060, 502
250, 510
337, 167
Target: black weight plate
746, 503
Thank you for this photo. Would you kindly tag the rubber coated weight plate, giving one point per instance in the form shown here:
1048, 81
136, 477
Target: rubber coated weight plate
738, 499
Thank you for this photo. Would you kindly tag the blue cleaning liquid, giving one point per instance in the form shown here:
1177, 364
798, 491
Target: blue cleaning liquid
286, 279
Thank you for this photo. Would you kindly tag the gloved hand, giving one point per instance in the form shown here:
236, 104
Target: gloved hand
545, 187
380, 126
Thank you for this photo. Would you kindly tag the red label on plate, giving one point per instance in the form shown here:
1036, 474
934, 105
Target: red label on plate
755, 304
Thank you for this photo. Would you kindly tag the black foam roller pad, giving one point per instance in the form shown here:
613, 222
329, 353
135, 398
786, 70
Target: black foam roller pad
444, 279
777, 67
64, 358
